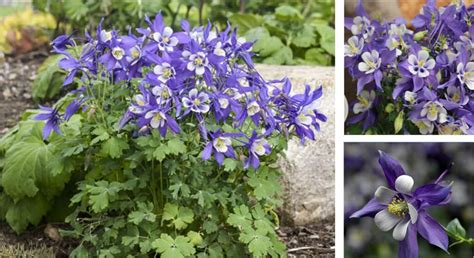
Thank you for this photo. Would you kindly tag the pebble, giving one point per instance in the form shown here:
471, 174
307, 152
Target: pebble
12, 76
7, 93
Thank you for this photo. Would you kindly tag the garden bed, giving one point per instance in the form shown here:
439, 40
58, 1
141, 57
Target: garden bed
16, 77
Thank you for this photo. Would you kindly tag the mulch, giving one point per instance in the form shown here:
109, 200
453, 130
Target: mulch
16, 77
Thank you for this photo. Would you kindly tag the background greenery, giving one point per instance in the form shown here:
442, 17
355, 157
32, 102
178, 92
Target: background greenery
286, 32
363, 175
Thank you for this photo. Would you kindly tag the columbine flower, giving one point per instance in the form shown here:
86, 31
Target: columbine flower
220, 145
466, 74
400, 208
52, 118
257, 147
158, 119
410, 97
371, 62
421, 65
354, 46
363, 109
434, 111
424, 125
196, 62
366, 99
162, 93
362, 25
164, 71
166, 41
196, 102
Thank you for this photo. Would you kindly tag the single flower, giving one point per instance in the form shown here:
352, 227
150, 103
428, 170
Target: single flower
404, 210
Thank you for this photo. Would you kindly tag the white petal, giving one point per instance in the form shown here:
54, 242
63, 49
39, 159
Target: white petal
404, 184
358, 108
400, 231
384, 194
200, 70
386, 220
423, 55
470, 85
412, 59
167, 31
470, 67
363, 67
193, 93
190, 66
367, 57
413, 213
430, 64
158, 69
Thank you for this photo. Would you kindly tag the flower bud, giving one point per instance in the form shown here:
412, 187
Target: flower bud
420, 35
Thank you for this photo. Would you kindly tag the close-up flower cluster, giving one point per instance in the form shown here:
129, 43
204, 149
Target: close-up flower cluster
413, 77
198, 75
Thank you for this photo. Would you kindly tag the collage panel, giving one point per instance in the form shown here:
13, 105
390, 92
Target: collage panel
408, 67
408, 200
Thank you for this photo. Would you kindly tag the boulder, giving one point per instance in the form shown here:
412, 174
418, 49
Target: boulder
308, 171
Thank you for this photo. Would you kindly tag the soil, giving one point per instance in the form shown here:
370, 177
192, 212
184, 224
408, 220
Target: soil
42, 241
16, 77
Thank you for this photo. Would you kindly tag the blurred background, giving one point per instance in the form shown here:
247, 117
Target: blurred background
287, 32
424, 162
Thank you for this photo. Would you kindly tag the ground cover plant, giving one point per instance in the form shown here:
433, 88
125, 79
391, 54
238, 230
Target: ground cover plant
168, 145
413, 81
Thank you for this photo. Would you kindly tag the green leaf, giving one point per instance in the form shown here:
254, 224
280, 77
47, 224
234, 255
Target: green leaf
283, 56
264, 187
257, 33
25, 211
132, 238
101, 133
267, 46
160, 152
180, 217
176, 146
230, 164
305, 38
398, 125
209, 226
101, 194
241, 218
26, 170
195, 238
173, 248
287, 13
327, 41
259, 245
456, 229
114, 147
245, 22
317, 56
49, 80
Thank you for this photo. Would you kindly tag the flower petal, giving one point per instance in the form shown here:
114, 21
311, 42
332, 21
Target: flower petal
370, 209
384, 194
432, 231
408, 248
404, 184
400, 231
391, 168
433, 194
413, 213
386, 220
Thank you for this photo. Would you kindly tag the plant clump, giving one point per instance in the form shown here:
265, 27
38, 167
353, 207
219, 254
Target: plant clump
167, 146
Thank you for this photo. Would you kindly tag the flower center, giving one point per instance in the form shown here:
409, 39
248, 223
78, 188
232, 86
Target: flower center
118, 53
196, 102
433, 109
166, 40
198, 61
398, 207
167, 72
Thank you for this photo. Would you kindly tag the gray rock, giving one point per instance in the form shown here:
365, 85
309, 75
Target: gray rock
308, 171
